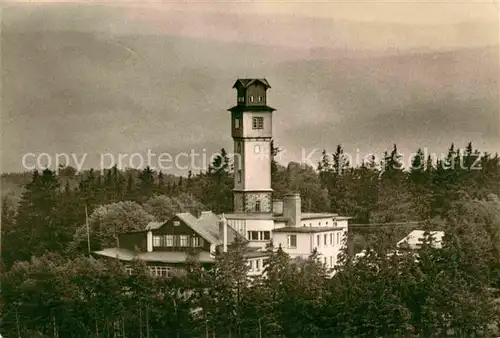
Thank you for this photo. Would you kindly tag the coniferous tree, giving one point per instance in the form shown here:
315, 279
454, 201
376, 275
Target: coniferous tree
36, 224
146, 183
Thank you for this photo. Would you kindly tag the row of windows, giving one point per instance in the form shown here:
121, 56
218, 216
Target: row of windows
328, 239
334, 224
157, 271
257, 123
256, 265
258, 235
177, 240
160, 271
250, 98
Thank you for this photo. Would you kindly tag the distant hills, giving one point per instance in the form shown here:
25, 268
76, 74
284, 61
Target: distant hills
68, 88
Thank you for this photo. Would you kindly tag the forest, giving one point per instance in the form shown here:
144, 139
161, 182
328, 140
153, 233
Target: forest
51, 287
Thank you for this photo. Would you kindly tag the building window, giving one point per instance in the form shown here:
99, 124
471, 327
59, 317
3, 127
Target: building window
325, 239
338, 237
184, 240
291, 241
324, 260
257, 265
258, 122
257, 149
331, 238
177, 223
239, 176
250, 98
156, 241
251, 265
160, 271
257, 206
241, 99
259, 235
169, 240
129, 270
236, 123
261, 99
331, 261
318, 241
238, 147
253, 235
196, 241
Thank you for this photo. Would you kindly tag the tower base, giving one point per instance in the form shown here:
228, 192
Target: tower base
253, 201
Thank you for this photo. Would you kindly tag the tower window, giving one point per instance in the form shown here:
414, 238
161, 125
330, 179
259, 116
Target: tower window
258, 122
238, 147
241, 99
236, 123
261, 99
257, 206
250, 99
239, 176
257, 149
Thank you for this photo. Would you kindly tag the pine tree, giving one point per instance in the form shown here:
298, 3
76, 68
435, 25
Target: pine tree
36, 223
146, 183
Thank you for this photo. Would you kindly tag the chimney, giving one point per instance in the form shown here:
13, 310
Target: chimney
278, 206
149, 241
292, 208
223, 232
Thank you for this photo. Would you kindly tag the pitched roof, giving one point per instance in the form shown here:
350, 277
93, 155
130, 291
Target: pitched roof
415, 238
199, 228
210, 222
248, 82
207, 226
154, 225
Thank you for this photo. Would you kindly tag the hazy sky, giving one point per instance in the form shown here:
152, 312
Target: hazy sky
127, 76
402, 11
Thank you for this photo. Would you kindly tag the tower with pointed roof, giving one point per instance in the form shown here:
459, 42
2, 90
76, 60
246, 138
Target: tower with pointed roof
251, 125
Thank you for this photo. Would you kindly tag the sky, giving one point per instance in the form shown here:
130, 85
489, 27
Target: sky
93, 77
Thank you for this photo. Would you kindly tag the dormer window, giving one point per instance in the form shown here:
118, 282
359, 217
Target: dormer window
177, 223
250, 99
261, 99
